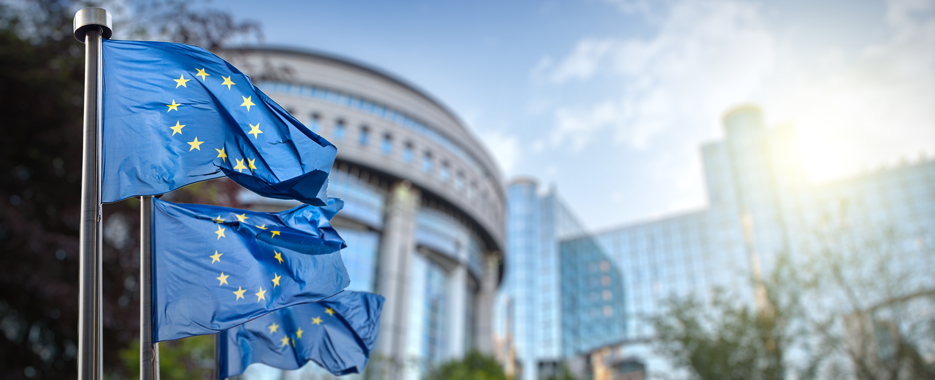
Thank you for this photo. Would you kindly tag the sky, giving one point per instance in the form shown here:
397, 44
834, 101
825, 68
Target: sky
609, 101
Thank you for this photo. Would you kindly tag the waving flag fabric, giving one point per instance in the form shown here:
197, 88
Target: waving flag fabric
216, 267
337, 334
176, 114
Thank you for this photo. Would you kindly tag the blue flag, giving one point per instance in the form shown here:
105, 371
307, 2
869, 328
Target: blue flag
216, 267
177, 114
337, 334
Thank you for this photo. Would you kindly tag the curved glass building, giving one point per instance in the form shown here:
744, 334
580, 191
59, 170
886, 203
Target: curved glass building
424, 201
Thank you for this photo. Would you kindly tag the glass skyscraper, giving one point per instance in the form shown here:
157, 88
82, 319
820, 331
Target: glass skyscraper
760, 205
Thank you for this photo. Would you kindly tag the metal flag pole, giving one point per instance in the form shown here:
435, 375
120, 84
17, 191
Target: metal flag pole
91, 26
149, 351
217, 358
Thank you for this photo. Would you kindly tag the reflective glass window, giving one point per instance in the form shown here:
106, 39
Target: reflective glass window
387, 145
339, 130
407, 153
364, 137
427, 162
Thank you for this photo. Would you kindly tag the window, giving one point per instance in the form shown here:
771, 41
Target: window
443, 172
427, 162
364, 137
315, 123
407, 152
387, 146
459, 181
339, 130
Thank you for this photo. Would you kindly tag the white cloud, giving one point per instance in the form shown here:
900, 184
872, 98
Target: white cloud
705, 56
861, 105
505, 149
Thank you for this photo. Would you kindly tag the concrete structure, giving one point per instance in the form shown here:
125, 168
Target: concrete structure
760, 205
424, 208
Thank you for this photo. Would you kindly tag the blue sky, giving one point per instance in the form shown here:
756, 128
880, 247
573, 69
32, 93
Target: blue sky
611, 100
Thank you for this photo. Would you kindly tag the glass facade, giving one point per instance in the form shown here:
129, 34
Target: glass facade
527, 309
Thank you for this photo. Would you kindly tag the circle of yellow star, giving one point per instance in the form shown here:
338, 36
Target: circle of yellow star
275, 233
227, 82
239, 166
278, 257
329, 311
202, 74
247, 103
242, 217
250, 164
219, 219
276, 280
255, 130
195, 144
216, 257
221, 154
273, 327
173, 106
223, 279
220, 232
284, 340
298, 333
316, 320
261, 295
181, 81
177, 128
239, 293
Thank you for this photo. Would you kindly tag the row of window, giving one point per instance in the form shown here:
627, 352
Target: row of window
445, 171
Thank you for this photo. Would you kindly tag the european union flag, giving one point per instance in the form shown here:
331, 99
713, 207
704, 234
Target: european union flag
216, 267
337, 334
177, 114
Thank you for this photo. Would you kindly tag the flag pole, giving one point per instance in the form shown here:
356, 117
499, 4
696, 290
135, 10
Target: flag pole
149, 351
91, 26
217, 358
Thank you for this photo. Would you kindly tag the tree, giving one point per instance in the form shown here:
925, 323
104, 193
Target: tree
847, 305
473, 366
41, 74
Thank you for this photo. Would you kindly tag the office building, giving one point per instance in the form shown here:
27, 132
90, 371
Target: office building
424, 201
760, 205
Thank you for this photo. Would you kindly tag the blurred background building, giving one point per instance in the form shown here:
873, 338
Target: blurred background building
598, 289
424, 202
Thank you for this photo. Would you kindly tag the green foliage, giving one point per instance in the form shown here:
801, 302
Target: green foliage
189, 358
565, 374
473, 366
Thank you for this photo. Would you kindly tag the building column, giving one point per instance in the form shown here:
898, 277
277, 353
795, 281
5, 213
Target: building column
485, 297
396, 250
457, 296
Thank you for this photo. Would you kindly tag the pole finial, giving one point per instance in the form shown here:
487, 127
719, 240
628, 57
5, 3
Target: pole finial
89, 18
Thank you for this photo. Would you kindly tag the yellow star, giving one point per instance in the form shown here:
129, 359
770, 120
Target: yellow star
250, 164
255, 130
285, 340
181, 81
293, 343
273, 327
261, 295
276, 280
242, 217
177, 128
227, 82
316, 320
329, 311
219, 219
215, 257
239, 293
223, 279
239, 166
173, 106
278, 257
299, 332
195, 144
247, 103
275, 233
220, 232
263, 227
202, 74
221, 154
